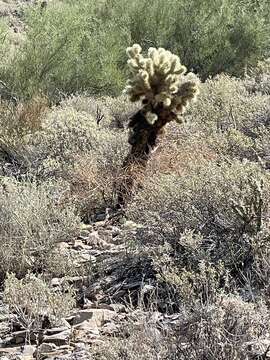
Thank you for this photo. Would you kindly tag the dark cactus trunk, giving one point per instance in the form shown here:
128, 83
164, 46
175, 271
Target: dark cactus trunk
143, 139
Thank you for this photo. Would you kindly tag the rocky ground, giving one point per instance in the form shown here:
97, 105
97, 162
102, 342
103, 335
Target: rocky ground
105, 299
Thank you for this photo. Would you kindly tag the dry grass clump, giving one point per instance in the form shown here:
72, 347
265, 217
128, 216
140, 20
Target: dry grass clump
180, 156
31, 112
33, 221
87, 154
20, 118
112, 112
227, 329
33, 302
19, 122
143, 343
93, 184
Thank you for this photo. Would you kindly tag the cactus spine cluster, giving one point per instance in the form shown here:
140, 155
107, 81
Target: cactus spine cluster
159, 80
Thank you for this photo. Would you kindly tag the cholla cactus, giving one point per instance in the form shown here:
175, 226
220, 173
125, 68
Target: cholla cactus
159, 80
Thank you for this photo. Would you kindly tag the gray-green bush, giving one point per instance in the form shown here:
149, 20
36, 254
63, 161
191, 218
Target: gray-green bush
64, 48
33, 221
32, 301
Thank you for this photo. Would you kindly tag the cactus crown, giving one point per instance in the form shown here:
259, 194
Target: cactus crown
159, 80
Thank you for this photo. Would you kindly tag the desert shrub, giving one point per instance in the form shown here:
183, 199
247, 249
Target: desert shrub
32, 301
121, 109
67, 143
224, 103
232, 120
227, 329
112, 112
33, 221
92, 106
66, 50
225, 203
209, 37
186, 275
73, 146
58, 137
201, 200
258, 78
67, 133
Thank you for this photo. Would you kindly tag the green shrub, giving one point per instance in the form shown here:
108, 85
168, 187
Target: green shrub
210, 37
64, 48
66, 51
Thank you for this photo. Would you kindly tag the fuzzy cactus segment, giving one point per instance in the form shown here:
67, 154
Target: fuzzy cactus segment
159, 80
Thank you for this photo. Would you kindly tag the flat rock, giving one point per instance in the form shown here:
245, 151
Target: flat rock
56, 330
94, 239
95, 317
109, 329
28, 352
55, 282
61, 338
87, 327
10, 351
79, 245
46, 348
